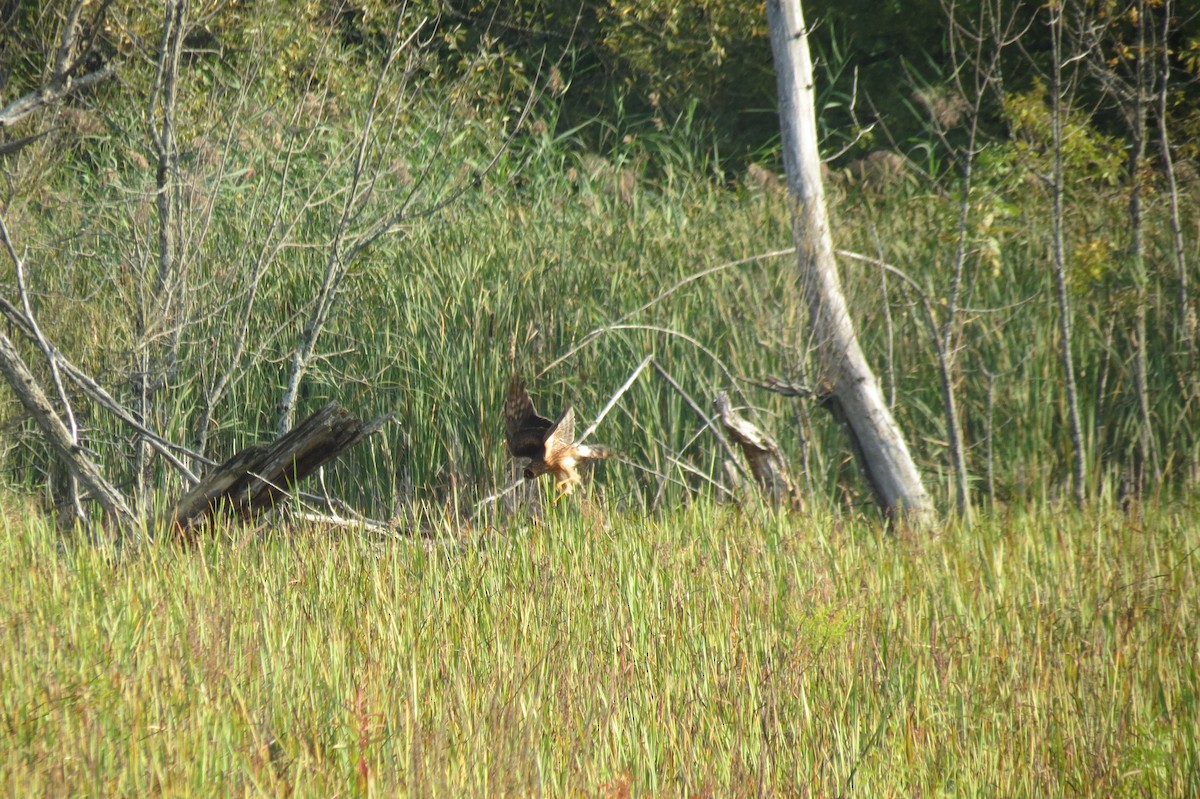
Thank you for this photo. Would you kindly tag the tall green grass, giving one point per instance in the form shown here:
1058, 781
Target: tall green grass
705, 652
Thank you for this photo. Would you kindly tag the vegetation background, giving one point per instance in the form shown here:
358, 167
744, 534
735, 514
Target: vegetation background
458, 189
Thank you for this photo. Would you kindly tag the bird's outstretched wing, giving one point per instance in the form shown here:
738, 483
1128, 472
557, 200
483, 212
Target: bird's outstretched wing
560, 438
525, 430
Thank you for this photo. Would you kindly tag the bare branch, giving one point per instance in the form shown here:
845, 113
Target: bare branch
26, 387
22, 107
708, 422
613, 401
762, 453
62, 81
99, 395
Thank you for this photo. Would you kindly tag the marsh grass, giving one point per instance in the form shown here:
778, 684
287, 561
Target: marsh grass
703, 652
432, 322
530, 271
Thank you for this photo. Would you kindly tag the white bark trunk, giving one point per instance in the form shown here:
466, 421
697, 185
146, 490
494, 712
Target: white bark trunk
854, 393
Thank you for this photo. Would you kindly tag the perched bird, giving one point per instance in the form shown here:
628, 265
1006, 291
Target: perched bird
548, 446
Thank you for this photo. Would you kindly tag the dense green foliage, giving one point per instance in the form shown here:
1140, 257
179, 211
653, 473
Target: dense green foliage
636, 63
633, 65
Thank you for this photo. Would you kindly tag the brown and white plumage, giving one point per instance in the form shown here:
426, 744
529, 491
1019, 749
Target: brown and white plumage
548, 446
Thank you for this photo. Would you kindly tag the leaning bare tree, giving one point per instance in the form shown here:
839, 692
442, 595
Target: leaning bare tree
851, 389
62, 436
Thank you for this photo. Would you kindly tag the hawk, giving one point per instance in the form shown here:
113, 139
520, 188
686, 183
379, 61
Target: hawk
549, 446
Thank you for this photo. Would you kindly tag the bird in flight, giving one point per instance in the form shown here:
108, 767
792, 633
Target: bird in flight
549, 446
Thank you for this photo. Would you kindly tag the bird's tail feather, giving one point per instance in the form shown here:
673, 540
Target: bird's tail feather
594, 451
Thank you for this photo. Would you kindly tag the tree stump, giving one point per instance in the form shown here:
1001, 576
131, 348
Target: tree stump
762, 453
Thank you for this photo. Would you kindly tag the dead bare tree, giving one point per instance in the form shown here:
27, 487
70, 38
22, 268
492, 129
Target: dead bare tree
48, 351
361, 222
977, 46
177, 324
853, 391
1185, 320
29, 392
1162, 109
1060, 105
254, 481
62, 437
1120, 49
1137, 100
159, 324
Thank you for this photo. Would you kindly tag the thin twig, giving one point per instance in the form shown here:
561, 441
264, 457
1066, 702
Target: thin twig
915, 286
708, 422
669, 332
359, 524
617, 324
690, 469
500, 494
613, 401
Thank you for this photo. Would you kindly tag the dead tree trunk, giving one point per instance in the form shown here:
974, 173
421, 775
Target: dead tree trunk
885, 458
1059, 100
1138, 101
762, 453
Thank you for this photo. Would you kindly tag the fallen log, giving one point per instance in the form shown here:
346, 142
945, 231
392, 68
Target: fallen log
258, 477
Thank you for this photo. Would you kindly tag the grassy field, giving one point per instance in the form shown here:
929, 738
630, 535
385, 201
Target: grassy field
707, 652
